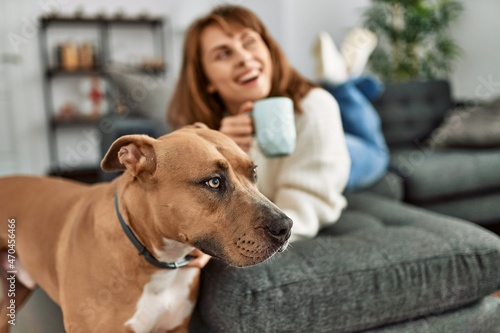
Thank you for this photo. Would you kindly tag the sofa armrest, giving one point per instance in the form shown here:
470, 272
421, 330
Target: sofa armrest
410, 111
389, 186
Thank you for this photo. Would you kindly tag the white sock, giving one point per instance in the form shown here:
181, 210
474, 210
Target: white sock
330, 65
356, 49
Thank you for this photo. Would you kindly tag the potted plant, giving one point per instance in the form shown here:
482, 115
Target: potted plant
414, 41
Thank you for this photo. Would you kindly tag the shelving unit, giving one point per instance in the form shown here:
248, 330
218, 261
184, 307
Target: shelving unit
103, 57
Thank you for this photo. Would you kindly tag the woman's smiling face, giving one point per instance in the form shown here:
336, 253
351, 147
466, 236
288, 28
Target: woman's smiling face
238, 65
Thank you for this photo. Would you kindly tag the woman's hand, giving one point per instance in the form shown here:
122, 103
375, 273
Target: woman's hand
200, 260
239, 127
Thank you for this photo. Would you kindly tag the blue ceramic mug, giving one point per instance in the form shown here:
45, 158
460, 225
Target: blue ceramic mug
274, 123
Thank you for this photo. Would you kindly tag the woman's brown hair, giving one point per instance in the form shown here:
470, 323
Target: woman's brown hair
192, 102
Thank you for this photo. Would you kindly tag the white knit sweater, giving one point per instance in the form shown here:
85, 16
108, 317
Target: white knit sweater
308, 184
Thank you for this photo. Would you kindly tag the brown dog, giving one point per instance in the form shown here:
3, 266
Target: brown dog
193, 188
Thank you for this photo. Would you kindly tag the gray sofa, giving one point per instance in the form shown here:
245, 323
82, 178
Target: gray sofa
386, 266
461, 180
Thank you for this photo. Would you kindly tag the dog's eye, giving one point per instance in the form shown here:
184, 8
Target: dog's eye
214, 182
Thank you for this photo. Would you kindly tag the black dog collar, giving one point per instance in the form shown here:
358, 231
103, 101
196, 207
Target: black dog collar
142, 249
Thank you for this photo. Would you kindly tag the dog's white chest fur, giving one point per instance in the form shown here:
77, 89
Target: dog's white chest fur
164, 303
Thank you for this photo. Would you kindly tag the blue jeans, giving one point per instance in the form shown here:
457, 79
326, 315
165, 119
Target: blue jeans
365, 141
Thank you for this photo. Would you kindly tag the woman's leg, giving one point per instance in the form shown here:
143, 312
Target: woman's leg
359, 117
365, 141
368, 163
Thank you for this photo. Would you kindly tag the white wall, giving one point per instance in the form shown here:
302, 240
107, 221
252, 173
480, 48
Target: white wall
477, 73
294, 24
304, 19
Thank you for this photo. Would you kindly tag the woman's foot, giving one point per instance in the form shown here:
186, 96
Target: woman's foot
356, 49
330, 65
369, 86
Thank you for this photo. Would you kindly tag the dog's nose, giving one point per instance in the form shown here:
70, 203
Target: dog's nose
279, 229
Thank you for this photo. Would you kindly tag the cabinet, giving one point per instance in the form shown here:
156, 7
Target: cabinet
76, 53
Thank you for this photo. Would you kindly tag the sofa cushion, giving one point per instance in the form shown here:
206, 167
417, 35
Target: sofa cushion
389, 186
480, 317
410, 111
475, 126
383, 262
482, 209
430, 175
140, 94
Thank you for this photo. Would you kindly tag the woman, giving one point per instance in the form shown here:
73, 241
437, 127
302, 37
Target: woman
230, 61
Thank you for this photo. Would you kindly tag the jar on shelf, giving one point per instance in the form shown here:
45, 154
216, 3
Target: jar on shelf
86, 55
69, 57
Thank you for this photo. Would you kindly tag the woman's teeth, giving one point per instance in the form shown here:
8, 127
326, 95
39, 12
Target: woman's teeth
249, 77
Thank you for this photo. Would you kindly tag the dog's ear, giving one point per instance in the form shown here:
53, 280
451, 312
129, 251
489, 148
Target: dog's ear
132, 152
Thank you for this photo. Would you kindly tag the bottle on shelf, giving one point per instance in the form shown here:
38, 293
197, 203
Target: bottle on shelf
86, 55
69, 57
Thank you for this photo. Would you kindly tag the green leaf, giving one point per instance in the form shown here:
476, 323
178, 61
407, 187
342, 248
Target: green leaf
414, 41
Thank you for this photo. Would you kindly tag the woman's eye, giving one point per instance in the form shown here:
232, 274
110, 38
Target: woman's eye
248, 42
222, 55
214, 182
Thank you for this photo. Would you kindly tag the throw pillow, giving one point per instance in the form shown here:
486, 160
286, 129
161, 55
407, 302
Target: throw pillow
139, 93
471, 127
